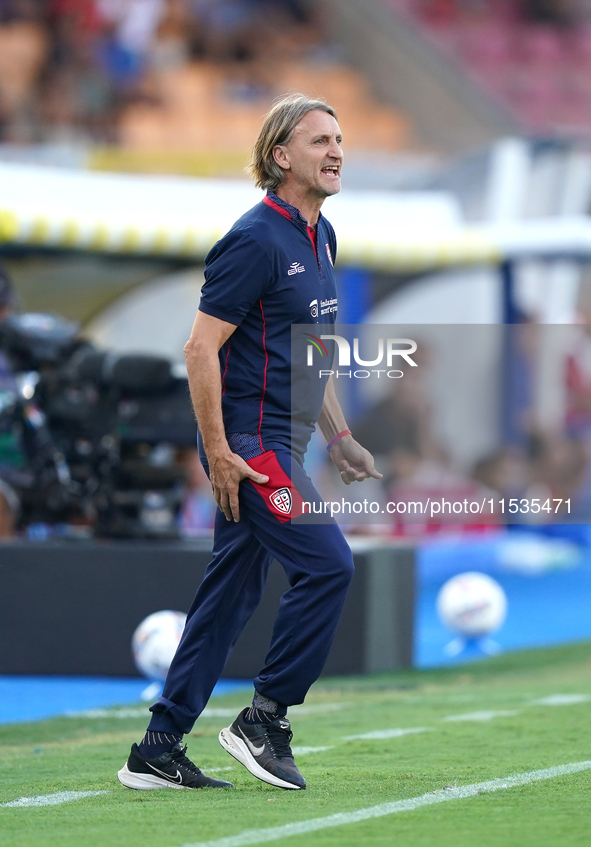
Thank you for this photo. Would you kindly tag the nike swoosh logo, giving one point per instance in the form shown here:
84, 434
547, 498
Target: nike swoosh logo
256, 751
178, 778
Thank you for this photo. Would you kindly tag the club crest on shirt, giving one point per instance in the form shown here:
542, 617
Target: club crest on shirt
281, 500
329, 254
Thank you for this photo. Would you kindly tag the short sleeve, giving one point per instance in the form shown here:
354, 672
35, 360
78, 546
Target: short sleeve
237, 274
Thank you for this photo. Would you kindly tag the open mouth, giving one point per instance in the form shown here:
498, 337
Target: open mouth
332, 170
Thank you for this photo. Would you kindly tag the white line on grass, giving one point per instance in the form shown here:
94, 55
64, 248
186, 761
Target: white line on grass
275, 833
51, 799
561, 700
318, 709
142, 711
481, 716
386, 733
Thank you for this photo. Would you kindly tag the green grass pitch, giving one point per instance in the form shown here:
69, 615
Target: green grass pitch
514, 714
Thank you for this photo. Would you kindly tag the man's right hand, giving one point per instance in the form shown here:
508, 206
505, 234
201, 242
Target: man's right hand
226, 471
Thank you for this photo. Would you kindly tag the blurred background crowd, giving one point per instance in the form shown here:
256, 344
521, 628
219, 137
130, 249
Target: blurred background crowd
534, 54
144, 72
149, 73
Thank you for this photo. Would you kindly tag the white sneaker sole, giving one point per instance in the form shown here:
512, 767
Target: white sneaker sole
143, 781
237, 748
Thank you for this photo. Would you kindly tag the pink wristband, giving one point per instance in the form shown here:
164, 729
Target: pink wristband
338, 437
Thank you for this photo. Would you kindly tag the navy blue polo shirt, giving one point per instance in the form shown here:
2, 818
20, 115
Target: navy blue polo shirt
268, 272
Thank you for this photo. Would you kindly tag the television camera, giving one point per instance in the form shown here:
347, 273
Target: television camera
89, 438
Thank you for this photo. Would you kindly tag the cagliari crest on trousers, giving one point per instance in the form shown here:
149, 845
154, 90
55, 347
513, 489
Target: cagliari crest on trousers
281, 500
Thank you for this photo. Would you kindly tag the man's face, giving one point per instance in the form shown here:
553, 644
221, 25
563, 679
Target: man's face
313, 157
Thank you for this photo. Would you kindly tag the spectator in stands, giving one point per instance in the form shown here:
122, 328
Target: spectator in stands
179, 36
403, 419
198, 508
578, 379
69, 67
23, 50
433, 482
505, 472
559, 471
133, 25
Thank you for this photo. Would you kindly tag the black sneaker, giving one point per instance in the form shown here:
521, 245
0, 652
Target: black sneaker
264, 750
170, 770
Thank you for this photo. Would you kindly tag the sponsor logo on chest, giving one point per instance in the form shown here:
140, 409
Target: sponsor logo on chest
326, 307
295, 268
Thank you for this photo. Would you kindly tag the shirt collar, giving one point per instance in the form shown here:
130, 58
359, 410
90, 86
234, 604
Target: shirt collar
295, 214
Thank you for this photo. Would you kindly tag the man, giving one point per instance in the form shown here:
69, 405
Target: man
261, 278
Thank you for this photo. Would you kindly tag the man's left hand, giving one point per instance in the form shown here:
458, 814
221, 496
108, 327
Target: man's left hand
354, 462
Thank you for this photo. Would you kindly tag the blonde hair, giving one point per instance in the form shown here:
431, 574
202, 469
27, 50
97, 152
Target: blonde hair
278, 126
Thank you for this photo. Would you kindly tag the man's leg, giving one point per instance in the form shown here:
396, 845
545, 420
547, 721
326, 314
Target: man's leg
229, 593
319, 566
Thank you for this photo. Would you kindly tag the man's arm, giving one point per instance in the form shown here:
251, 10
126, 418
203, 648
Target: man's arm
226, 469
354, 462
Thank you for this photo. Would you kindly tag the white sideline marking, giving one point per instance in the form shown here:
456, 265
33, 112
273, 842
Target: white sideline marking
274, 833
142, 711
304, 751
386, 733
51, 799
296, 711
481, 716
561, 700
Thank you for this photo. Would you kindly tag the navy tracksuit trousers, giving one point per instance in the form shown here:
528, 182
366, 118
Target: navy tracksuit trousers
318, 565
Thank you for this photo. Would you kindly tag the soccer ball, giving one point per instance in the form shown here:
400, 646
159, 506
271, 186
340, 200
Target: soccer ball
472, 604
155, 641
